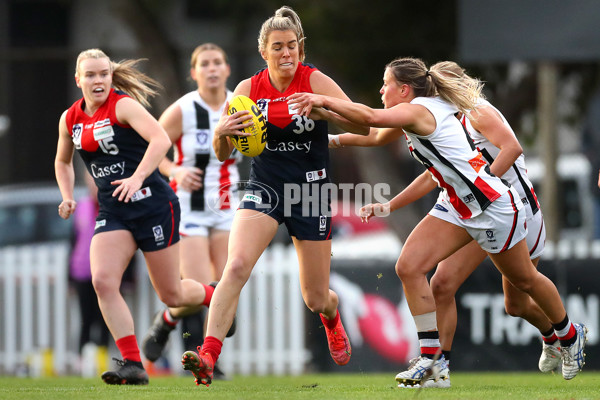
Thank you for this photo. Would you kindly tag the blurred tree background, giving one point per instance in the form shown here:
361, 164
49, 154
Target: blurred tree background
349, 40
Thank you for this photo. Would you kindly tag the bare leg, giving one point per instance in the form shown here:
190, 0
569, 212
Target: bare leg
432, 241
107, 273
449, 276
315, 258
520, 304
516, 266
218, 252
250, 235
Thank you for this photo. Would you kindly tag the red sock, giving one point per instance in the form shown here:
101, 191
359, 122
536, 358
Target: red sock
330, 323
129, 349
209, 293
549, 337
168, 318
212, 346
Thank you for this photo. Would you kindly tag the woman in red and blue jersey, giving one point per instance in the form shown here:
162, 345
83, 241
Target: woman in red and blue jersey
121, 145
284, 187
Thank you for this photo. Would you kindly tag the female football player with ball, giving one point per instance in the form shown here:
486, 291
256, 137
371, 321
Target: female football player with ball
473, 203
296, 153
121, 145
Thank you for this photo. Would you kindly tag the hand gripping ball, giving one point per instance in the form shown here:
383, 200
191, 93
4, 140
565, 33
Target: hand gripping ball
253, 144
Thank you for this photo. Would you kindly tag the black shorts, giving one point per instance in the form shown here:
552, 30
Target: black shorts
305, 211
150, 232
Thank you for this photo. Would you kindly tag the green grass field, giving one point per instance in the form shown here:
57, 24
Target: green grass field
486, 386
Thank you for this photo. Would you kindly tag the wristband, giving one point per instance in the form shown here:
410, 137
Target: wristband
335, 139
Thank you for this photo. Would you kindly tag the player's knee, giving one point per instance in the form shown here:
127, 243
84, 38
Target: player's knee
442, 287
105, 284
316, 306
406, 270
172, 298
238, 269
317, 303
513, 309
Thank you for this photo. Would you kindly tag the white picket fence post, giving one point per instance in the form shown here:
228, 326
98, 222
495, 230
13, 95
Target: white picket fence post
36, 335
34, 313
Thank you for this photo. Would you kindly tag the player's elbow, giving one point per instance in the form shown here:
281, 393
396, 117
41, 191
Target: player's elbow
221, 155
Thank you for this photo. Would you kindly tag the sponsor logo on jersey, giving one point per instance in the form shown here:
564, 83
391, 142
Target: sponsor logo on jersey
322, 223
202, 143
100, 124
292, 110
103, 133
490, 235
141, 194
113, 169
316, 175
100, 223
252, 197
289, 146
477, 162
77, 129
440, 208
263, 106
158, 233
469, 198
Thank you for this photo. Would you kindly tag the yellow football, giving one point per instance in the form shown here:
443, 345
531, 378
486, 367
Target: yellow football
253, 144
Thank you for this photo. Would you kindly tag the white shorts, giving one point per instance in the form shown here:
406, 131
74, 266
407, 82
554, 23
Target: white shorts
498, 228
199, 223
536, 235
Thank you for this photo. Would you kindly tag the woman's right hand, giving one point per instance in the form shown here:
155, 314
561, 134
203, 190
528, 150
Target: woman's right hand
66, 208
231, 125
374, 210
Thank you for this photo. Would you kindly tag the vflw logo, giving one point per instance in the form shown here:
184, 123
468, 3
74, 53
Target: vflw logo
158, 233
141, 194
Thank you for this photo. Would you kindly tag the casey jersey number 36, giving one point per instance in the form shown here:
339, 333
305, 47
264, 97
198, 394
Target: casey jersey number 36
303, 124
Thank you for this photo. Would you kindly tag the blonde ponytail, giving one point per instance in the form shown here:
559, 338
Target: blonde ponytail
443, 79
455, 86
133, 82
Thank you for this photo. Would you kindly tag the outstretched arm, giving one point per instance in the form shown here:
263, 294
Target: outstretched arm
376, 137
418, 188
404, 115
322, 84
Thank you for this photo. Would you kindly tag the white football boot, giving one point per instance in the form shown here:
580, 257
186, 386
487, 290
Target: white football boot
551, 357
424, 372
573, 357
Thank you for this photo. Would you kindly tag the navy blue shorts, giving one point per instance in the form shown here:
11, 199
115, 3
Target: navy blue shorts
305, 212
151, 232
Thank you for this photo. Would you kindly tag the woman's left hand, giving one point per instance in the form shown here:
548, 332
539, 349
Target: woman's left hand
374, 210
303, 103
67, 208
127, 187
